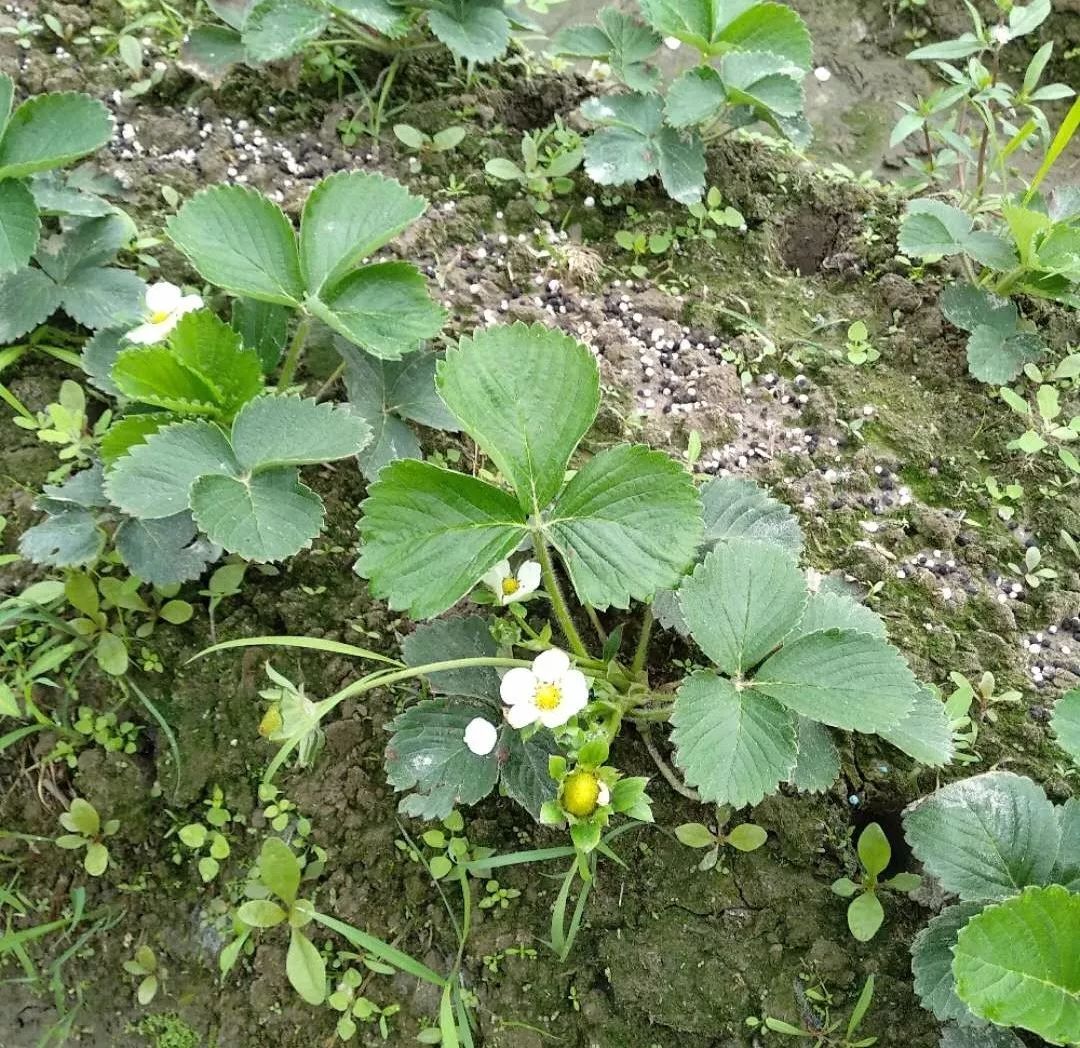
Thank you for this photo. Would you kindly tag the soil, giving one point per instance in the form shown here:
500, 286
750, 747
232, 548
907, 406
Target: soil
740, 339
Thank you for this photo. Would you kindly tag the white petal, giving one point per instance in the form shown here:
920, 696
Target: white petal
519, 685
573, 703
166, 326
528, 576
495, 576
163, 297
549, 666
188, 304
554, 718
604, 796
481, 736
575, 688
146, 334
522, 715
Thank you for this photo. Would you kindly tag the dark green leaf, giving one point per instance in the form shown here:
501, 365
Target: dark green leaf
165, 552
463, 638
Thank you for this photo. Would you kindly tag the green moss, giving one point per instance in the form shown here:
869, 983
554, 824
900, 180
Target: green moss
168, 1030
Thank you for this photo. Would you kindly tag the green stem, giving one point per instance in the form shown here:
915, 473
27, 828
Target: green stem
328, 384
641, 653
597, 625
380, 107
558, 601
292, 357
1007, 282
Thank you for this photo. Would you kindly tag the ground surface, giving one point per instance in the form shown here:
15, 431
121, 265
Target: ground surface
885, 465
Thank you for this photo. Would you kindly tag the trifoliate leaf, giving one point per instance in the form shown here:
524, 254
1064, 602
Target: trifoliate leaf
27, 298
1066, 724
19, 226
817, 766
278, 29
154, 479
621, 41
165, 552
213, 350
932, 960
290, 431
384, 392
626, 525
1016, 963
464, 638
827, 610
66, 539
430, 534
925, 733
428, 756
474, 30
841, 678
634, 144
526, 395
348, 217
52, 130
734, 746
239, 240
742, 600
385, 308
985, 837
264, 517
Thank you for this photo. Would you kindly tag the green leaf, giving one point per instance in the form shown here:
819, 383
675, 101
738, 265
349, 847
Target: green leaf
165, 552
279, 869
526, 395
348, 217
210, 52
621, 41
1066, 869
695, 96
524, 771
1066, 723
27, 298
742, 600
932, 227
695, 835
997, 356
154, 375
81, 817
430, 534
264, 517
263, 327
874, 850
962, 47
278, 29
384, 392
818, 764
279, 431
473, 30
981, 1037
735, 507
829, 610
747, 837
428, 756
931, 964
841, 678
97, 296
626, 525
239, 240
383, 16
463, 638
985, 837
96, 860
98, 356
129, 431
7, 96
990, 250
261, 913
764, 82
1016, 963
305, 968
213, 350
233, 13
66, 539
111, 654
193, 835
52, 130
864, 916
634, 144
19, 226
925, 733
154, 479
385, 308
734, 746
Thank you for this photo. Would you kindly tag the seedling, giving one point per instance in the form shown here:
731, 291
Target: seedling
86, 830
865, 913
144, 965
746, 837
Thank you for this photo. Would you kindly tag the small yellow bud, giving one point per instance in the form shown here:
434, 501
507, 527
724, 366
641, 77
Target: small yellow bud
271, 722
580, 793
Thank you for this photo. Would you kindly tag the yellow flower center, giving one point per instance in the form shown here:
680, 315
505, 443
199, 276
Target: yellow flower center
160, 316
580, 793
510, 586
548, 697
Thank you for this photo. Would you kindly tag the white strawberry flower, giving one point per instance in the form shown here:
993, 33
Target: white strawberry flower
508, 585
481, 736
549, 693
165, 305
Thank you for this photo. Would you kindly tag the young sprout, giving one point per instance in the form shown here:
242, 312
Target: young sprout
865, 913
85, 830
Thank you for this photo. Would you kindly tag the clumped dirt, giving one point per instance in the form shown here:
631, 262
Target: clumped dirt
740, 340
